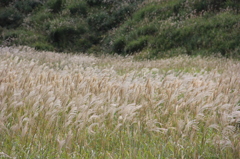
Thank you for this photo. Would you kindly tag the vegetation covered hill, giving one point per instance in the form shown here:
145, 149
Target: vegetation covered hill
150, 28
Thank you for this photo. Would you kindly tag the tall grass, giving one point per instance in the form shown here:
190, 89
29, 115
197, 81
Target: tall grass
77, 106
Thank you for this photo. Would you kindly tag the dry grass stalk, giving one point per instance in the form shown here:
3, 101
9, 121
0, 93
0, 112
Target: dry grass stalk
60, 99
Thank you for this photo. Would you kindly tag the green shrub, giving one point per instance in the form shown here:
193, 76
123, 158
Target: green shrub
22, 37
79, 8
234, 4
27, 6
65, 34
5, 3
122, 12
1, 30
9, 34
83, 44
119, 45
137, 45
40, 19
94, 2
214, 5
147, 30
159, 10
106, 19
145, 12
100, 21
56, 5
10, 17
95, 49
43, 46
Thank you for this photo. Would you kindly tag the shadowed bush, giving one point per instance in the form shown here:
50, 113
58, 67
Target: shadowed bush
79, 8
10, 17
5, 3
137, 45
56, 5
100, 21
94, 2
119, 45
27, 6
65, 36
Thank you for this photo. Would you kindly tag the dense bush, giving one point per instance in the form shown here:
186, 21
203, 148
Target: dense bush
64, 35
56, 5
119, 45
27, 6
204, 5
123, 12
157, 10
79, 8
5, 3
100, 21
147, 30
137, 45
40, 20
84, 44
43, 46
10, 17
93, 2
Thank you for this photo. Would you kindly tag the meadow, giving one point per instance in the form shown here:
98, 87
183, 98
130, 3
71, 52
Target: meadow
80, 106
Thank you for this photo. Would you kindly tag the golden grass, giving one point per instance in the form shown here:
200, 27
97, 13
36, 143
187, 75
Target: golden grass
76, 106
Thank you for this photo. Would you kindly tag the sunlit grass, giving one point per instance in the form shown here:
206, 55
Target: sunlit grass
76, 106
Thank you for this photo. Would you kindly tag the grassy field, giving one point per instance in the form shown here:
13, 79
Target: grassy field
76, 106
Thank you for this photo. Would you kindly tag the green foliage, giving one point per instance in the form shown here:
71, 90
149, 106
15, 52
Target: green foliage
27, 6
40, 19
147, 30
212, 33
123, 12
65, 36
213, 5
56, 5
137, 45
43, 46
9, 36
204, 5
21, 37
105, 20
5, 3
84, 43
234, 4
119, 45
79, 8
94, 2
10, 17
100, 21
157, 10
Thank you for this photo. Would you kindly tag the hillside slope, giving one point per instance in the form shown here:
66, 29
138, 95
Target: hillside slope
149, 28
